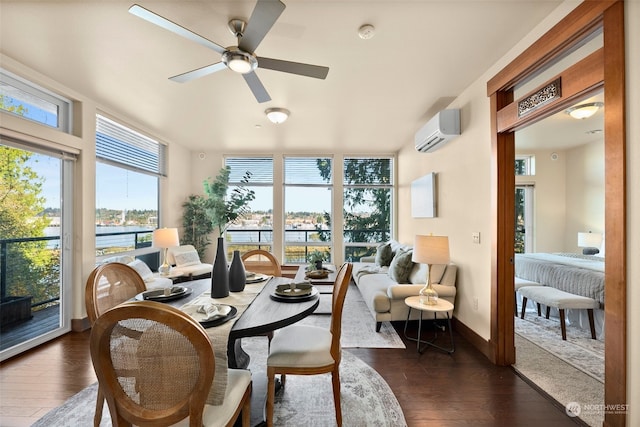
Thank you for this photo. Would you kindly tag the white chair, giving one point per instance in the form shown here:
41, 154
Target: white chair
310, 350
187, 262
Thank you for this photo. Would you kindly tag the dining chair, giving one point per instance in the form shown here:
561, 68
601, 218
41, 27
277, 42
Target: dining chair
261, 261
310, 350
174, 373
107, 286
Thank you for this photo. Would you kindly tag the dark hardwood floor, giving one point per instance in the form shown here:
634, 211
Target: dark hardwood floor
434, 388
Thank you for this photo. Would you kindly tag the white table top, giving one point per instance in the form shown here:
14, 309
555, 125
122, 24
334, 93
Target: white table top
442, 305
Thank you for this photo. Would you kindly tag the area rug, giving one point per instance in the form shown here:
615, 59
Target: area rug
366, 398
563, 382
358, 324
579, 350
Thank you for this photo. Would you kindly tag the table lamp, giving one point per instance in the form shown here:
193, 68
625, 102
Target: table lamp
430, 250
589, 242
165, 238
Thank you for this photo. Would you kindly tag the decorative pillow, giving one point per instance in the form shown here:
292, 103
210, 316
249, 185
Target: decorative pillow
185, 259
384, 254
401, 266
143, 269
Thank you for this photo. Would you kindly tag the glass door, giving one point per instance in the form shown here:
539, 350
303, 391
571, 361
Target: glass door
34, 246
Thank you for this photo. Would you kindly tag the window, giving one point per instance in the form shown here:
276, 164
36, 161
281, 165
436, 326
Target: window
128, 174
255, 231
525, 165
25, 99
367, 200
307, 194
524, 219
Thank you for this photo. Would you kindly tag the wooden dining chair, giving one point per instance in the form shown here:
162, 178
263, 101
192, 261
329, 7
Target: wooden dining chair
261, 261
107, 286
174, 373
310, 350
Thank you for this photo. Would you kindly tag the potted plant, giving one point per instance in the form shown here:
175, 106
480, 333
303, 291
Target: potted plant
224, 209
316, 258
196, 224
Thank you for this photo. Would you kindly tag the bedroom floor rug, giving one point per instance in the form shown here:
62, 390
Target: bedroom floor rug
366, 398
560, 380
579, 349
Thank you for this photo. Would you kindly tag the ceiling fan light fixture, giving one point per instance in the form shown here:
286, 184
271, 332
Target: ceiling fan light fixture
239, 61
584, 111
277, 115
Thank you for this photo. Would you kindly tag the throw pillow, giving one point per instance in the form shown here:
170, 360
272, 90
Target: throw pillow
143, 269
384, 255
185, 259
401, 266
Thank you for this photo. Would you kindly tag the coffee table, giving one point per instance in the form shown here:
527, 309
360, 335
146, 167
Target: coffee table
324, 285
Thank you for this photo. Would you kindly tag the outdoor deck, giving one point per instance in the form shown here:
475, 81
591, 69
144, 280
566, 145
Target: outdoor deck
43, 321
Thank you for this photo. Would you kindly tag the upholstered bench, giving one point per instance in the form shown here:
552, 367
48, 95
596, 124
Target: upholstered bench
552, 297
520, 283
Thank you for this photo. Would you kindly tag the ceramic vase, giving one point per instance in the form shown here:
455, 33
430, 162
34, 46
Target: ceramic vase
237, 275
220, 275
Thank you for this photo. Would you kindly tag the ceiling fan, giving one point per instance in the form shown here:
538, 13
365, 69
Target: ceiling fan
240, 58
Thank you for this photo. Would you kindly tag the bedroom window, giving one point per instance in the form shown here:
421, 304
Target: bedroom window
256, 231
524, 219
128, 170
525, 165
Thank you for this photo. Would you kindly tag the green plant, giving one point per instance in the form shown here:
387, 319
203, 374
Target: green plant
224, 209
197, 225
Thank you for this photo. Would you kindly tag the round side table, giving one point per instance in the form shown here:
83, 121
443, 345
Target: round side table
443, 306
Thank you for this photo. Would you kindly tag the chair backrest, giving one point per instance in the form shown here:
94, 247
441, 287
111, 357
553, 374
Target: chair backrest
261, 261
158, 376
109, 285
340, 287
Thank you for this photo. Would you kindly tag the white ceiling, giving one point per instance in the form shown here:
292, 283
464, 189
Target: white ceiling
377, 94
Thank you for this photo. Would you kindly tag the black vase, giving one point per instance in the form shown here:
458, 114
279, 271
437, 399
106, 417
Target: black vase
220, 275
237, 275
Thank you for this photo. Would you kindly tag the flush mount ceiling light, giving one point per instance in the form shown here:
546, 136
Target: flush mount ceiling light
584, 111
277, 115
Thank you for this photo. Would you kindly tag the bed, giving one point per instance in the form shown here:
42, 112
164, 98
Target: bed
574, 273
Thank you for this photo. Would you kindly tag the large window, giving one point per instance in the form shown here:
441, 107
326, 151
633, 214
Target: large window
256, 230
367, 200
307, 212
128, 170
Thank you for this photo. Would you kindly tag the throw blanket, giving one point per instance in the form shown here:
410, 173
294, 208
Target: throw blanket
577, 275
219, 335
371, 269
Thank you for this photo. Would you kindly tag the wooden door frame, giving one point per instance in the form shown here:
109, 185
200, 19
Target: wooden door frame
604, 69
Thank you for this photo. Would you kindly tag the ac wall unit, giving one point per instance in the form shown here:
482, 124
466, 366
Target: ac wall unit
442, 128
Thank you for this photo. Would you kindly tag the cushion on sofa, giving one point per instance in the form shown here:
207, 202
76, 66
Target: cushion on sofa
401, 266
419, 273
184, 259
384, 255
142, 268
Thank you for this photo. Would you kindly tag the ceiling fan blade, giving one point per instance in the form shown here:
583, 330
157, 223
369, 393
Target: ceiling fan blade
264, 15
158, 20
199, 72
256, 87
315, 71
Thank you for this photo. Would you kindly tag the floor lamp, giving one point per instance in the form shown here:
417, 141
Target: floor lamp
430, 250
165, 238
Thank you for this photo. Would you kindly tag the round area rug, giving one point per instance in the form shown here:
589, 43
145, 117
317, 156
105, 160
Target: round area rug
366, 398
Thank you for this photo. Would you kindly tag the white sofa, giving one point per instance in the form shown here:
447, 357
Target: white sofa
385, 296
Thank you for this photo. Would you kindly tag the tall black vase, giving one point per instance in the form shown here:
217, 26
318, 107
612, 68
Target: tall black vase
220, 275
237, 275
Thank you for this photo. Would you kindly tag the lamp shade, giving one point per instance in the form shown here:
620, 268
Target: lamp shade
589, 240
431, 250
165, 238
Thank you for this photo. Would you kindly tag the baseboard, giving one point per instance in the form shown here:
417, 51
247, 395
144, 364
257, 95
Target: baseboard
79, 325
476, 340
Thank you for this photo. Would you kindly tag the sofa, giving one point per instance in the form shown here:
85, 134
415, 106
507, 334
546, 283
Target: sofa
386, 279
186, 264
